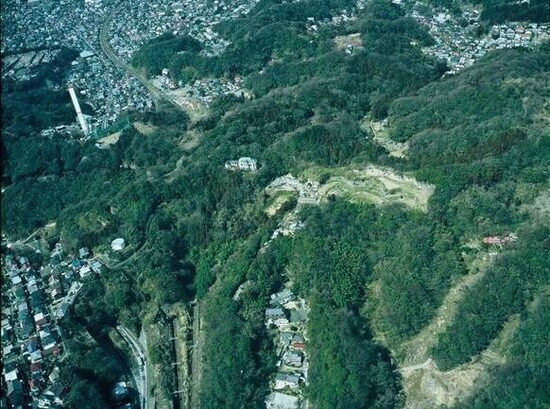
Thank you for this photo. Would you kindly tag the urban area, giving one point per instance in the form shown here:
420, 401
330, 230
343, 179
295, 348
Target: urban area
34, 301
108, 33
34, 30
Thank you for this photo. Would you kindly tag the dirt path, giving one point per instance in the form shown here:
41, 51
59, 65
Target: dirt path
425, 385
416, 349
379, 131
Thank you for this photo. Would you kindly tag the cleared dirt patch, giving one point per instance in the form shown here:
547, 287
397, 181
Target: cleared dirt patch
540, 207
427, 387
144, 129
351, 40
110, 139
374, 185
277, 202
192, 106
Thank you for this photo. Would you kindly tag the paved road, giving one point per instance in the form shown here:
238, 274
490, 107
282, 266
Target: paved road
139, 354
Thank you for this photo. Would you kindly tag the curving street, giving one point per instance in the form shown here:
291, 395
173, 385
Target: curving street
141, 378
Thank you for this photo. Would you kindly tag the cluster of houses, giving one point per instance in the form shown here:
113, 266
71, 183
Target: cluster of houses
459, 45
18, 66
286, 317
33, 300
139, 21
48, 26
107, 90
244, 163
456, 43
202, 91
313, 25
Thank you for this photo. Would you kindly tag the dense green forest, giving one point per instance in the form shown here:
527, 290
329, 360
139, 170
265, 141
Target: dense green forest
93, 368
500, 11
30, 106
375, 275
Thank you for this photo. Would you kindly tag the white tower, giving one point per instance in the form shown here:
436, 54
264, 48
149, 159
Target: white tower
79, 115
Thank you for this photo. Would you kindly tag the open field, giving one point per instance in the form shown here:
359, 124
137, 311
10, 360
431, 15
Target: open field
351, 40
144, 129
110, 139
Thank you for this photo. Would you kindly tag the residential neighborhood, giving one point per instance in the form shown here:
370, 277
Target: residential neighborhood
458, 44
110, 90
104, 86
286, 319
34, 300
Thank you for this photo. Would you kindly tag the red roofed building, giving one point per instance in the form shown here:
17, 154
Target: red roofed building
36, 367
300, 346
52, 349
34, 386
499, 241
492, 240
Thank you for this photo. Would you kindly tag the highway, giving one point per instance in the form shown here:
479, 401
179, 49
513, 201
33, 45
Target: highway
142, 381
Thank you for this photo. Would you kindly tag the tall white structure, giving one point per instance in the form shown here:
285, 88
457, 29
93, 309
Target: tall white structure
79, 115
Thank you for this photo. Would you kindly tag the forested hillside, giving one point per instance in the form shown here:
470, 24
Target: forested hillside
375, 271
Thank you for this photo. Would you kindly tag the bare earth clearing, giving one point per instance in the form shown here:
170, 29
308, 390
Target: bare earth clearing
351, 40
110, 139
144, 129
194, 108
372, 184
424, 384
